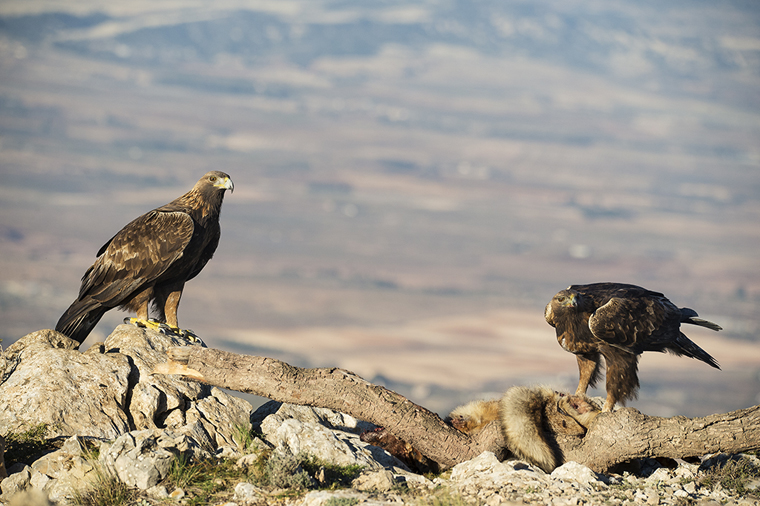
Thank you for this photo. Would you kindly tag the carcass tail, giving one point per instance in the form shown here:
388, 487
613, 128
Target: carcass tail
79, 319
522, 413
687, 347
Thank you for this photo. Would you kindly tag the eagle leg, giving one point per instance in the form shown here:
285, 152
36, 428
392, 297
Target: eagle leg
589, 369
166, 301
140, 305
622, 376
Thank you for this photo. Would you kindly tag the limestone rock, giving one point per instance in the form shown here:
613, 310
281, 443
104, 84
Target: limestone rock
301, 429
323, 416
323, 497
165, 401
110, 389
484, 478
142, 459
154, 397
487, 467
246, 493
575, 472
31, 498
374, 481
62, 473
46, 380
16, 483
220, 414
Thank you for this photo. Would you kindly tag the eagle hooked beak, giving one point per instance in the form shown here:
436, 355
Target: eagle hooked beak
226, 184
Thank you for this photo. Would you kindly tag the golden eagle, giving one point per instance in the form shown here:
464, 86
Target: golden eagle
150, 259
619, 322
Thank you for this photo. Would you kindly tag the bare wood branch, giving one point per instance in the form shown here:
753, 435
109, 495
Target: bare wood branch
612, 439
628, 434
331, 388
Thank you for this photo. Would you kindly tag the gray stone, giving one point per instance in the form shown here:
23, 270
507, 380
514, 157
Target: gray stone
246, 493
158, 492
39, 481
374, 481
220, 415
154, 397
575, 472
299, 429
16, 483
142, 458
167, 401
137, 459
46, 380
486, 470
322, 416
661, 475
31, 498
110, 389
321, 497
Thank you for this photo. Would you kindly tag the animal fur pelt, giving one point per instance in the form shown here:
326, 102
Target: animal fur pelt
530, 418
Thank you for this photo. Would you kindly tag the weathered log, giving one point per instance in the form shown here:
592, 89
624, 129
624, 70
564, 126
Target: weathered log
331, 388
627, 434
612, 439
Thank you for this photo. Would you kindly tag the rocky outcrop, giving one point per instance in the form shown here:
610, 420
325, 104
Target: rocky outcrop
109, 395
47, 380
109, 390
323, 433
107, 399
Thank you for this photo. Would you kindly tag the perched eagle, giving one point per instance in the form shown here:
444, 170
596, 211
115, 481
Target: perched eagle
619, 322
150, 259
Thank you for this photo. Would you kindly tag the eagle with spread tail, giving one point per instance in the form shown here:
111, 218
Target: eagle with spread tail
150, 260
619, 322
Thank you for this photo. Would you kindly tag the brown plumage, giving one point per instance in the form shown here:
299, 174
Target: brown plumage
619, 322
150, 259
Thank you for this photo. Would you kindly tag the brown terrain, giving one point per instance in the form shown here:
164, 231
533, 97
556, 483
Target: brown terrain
404, 210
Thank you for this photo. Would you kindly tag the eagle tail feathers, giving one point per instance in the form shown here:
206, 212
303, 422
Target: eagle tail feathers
79, 320
687, 347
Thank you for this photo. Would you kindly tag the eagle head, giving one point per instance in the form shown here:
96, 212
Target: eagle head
218, 179
565, 300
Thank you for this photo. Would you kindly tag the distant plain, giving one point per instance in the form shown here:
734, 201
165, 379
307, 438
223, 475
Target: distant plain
413, 180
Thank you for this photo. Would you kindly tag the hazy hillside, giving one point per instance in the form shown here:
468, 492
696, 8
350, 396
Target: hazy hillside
414, 180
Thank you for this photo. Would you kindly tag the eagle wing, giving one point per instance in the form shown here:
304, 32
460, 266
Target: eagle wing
628, 323
141, 252
206, 254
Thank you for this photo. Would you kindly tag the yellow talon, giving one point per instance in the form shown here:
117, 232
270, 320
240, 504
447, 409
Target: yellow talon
165, 328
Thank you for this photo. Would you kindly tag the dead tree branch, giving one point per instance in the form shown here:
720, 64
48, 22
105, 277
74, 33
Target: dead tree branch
612, 439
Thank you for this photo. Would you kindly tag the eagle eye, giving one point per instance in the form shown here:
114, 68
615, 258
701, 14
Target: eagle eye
212, 178
561, 298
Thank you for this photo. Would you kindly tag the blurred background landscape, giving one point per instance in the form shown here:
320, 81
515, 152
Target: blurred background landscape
414, 180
